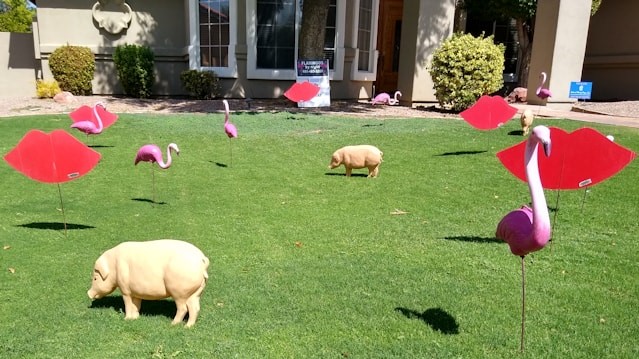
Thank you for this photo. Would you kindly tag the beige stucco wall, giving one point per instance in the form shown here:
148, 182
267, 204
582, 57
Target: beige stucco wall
17, 65
160, 24
425, 25
558, 49
612, 53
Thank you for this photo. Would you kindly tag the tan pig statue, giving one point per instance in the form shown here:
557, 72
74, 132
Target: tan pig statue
359, 156
153, 270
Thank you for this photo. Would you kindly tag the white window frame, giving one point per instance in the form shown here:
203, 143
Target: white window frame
193, 49
253, 73
357, 74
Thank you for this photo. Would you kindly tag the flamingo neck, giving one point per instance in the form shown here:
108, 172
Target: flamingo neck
169, 159
543, 81
97, 117
540, 218
226, 112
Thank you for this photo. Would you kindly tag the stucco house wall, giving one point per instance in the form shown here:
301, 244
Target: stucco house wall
163, 25
18, 68
612, 51
160, 24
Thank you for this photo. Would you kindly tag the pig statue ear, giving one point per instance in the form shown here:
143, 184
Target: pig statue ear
102, 267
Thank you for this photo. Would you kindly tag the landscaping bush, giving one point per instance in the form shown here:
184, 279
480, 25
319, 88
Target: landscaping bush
73, 68
464, 68
47, 89
135, 65
203, 85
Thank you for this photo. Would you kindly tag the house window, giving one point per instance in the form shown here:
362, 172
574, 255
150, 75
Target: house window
364, 34
331, 34
276, 34
214, 33
272, 38
212, 29
365, 38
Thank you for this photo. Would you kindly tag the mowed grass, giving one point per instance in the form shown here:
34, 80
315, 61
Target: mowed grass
306, 263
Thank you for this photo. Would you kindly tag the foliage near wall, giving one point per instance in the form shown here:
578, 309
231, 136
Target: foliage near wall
135, 67
15, 16
464, 68
202, 85
73, 67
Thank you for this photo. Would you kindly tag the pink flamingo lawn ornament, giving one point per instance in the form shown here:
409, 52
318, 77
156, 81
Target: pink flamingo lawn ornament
527, 230
88, 126
153, 154
229, 128
542, 92
385, 99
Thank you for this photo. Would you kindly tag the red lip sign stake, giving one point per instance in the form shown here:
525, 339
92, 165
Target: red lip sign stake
57, 157
580, 159
302, 91
488, 113
85, 113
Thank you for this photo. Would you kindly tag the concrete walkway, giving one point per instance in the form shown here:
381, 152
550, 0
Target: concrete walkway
545, 111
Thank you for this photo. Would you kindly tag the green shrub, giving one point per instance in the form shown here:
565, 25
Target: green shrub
73, 67
47, 89
203, 85
464, 68
15, 16
135, 67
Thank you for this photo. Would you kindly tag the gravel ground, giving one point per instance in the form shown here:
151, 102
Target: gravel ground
617, 108
10, 106
18, 106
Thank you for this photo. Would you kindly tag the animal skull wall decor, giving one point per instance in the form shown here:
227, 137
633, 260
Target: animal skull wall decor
112, 15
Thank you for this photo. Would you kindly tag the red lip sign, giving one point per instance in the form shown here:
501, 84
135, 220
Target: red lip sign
85, 113
52, 158
579, 159
489, 112
302, 91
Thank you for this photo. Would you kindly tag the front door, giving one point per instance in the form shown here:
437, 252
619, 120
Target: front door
388, 39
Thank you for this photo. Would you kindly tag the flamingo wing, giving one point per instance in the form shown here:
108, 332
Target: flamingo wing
515, 228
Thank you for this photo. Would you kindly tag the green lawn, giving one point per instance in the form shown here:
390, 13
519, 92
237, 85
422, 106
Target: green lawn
306, 263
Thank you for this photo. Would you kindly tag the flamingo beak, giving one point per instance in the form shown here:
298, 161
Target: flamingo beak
547, 147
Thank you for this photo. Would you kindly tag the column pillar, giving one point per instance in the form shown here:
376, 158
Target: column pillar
559, 47
425, 25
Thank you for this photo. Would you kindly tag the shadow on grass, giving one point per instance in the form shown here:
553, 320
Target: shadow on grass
474, 239
344, 174
461, 153
146, 200
101, 146
56, 226
219, 164
163, 307
516, 133
436, 318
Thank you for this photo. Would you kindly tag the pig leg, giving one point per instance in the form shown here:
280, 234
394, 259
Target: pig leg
373, 171
193, 304
131, 307
181, 311
348, 171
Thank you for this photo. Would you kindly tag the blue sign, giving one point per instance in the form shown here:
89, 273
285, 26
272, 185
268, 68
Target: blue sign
581, 90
